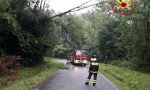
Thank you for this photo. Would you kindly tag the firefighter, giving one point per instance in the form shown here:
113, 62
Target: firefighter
93, 70
68, 63
106, 60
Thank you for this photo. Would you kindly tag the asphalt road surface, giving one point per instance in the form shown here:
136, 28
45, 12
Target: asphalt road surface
74, 79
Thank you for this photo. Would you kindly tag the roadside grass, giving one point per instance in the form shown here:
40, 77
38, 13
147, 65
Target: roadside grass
30, 77
125, 78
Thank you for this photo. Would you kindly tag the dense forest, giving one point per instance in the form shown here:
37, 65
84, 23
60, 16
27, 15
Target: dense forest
29, 29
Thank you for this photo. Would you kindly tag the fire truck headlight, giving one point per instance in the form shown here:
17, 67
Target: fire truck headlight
75, 61
84, 61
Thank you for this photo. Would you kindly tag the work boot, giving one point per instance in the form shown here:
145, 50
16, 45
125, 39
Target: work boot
94, 84
86, 83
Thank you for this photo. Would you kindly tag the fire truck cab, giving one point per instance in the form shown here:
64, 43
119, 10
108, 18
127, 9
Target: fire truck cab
79, 57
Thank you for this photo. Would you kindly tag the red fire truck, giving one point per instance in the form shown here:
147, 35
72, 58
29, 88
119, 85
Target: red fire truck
79, 57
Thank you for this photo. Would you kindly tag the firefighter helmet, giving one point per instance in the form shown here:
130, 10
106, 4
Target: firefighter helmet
94, 58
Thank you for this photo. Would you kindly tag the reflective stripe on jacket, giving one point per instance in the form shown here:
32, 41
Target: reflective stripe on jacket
94, 63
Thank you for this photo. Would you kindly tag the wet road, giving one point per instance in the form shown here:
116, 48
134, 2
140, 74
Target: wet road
74, 79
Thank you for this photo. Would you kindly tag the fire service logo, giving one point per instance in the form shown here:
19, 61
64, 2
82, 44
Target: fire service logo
124, 7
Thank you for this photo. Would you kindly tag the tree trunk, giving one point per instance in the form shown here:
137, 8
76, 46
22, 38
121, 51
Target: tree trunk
41, 4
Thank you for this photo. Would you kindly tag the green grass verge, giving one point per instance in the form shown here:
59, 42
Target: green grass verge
30, 77
125, 78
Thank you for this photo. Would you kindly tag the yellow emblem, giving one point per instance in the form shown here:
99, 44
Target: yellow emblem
124, 4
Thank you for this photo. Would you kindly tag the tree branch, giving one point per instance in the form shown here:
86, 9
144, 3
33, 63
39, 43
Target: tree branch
80, 7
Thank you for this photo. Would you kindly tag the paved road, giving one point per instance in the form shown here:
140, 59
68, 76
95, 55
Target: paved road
74, 79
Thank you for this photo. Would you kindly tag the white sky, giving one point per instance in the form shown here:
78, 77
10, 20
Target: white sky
64, 5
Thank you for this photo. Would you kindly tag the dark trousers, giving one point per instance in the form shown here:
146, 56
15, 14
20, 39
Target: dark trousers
89, 77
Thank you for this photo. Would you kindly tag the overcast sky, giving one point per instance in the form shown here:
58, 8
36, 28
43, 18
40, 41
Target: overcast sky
64, 5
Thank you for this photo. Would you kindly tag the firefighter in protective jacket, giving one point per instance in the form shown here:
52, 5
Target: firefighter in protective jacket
93, 70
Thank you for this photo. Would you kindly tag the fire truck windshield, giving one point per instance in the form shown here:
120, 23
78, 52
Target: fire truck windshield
80, 53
